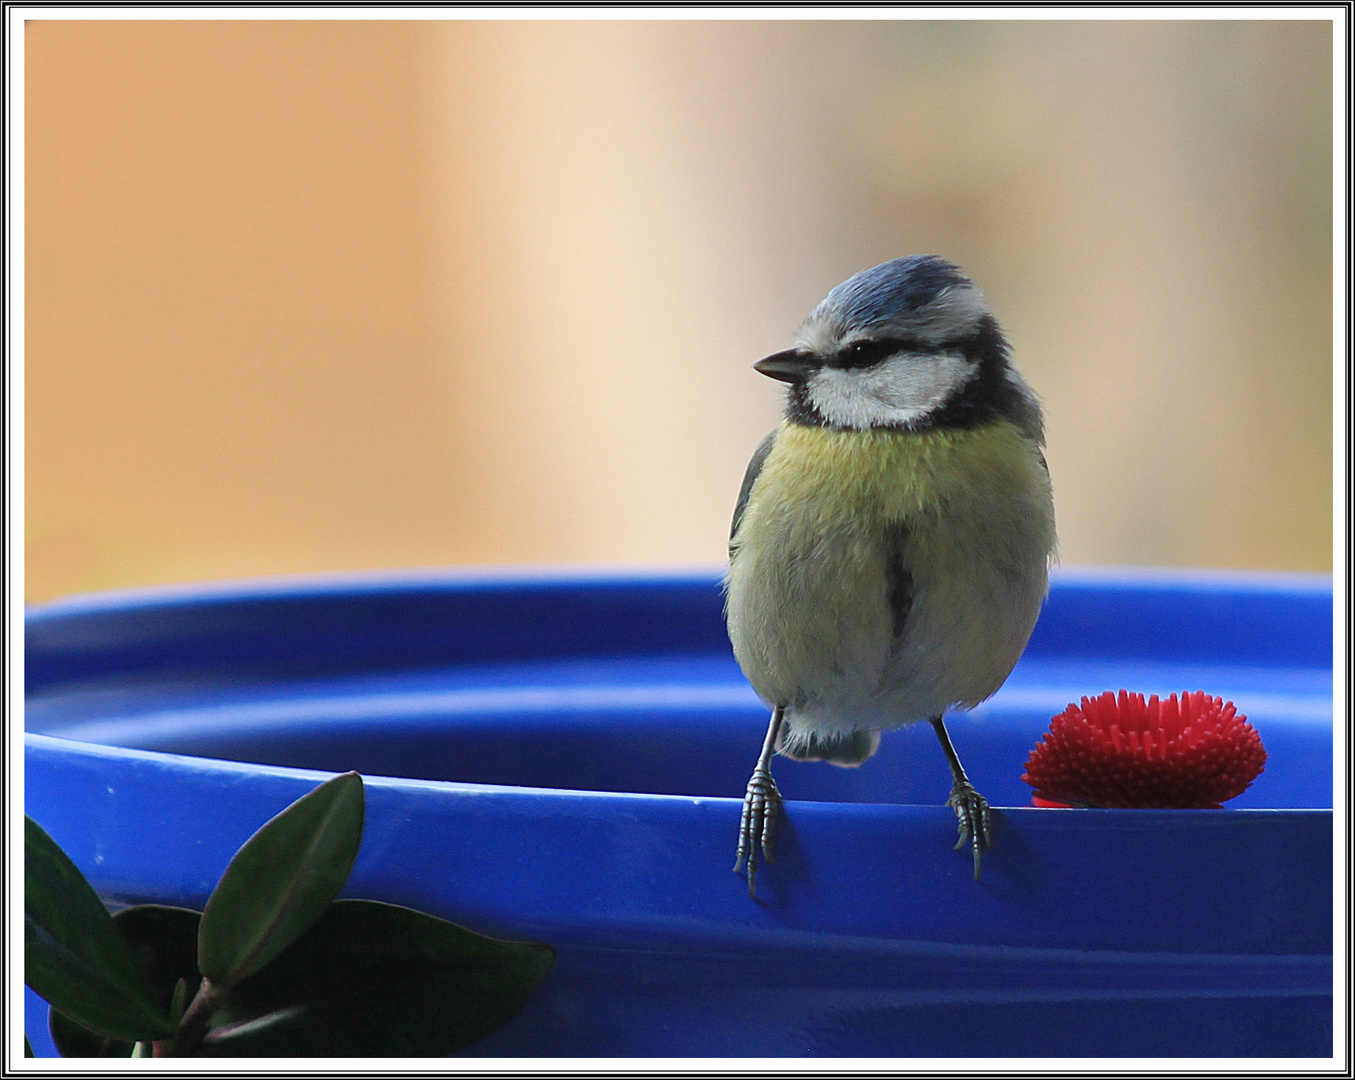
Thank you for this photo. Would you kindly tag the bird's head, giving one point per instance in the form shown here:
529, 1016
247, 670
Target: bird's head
907, 344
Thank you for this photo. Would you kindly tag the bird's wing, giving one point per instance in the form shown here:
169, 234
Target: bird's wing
749, 477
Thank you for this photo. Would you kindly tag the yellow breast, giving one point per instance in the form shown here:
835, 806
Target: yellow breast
807, 590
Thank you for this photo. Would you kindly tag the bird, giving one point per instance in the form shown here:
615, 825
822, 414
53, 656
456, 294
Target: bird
891, 541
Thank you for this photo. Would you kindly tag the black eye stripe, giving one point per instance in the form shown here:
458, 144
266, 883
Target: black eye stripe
862, 354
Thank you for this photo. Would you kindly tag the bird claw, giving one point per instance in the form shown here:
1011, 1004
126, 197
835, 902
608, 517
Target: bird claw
971, 810
757, 823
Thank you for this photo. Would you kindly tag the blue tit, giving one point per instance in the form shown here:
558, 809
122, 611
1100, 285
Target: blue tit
891, 542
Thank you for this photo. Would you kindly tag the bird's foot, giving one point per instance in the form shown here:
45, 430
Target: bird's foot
971, 809
757, 824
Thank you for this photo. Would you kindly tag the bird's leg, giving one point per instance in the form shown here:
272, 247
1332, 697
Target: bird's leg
970, 807
761, 807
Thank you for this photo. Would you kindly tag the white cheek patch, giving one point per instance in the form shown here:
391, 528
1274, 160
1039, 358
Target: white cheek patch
901, 390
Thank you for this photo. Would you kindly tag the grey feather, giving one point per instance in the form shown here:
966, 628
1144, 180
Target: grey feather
898, 578
746, 488
848, 749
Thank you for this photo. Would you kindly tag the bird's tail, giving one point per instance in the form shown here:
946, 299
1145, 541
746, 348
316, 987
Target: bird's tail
848, 749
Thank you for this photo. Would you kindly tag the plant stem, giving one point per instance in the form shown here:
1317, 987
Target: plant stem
193, 1027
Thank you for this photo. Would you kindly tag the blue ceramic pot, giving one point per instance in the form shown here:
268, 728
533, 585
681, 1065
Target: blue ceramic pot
561, 757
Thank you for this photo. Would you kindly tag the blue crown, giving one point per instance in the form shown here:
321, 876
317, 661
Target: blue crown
878, 294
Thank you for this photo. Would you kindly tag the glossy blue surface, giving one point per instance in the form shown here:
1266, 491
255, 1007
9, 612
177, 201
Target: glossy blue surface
561, 757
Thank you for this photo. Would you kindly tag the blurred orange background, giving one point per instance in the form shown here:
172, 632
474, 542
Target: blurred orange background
325, 295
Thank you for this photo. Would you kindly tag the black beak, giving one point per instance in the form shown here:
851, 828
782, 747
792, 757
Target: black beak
791, 366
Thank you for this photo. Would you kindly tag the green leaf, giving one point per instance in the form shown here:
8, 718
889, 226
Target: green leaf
28, 1048
178, 1002
73, 1041
281, 881
377, 980
164, 941
73, 956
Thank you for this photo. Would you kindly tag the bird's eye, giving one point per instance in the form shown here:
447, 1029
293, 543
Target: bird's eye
863, 354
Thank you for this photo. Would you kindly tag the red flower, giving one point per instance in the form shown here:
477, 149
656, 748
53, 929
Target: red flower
1125, 752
